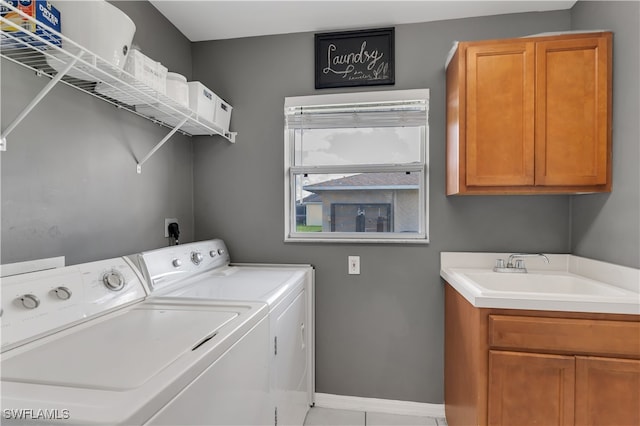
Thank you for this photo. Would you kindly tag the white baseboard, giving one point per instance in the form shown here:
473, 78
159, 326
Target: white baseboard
408, 408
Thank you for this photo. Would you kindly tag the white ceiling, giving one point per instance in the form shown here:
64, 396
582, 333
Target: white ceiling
201, 20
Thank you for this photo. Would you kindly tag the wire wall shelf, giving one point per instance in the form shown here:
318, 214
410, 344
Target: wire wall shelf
50, 54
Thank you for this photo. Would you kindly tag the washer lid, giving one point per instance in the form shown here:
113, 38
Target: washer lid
108, 354
242, 283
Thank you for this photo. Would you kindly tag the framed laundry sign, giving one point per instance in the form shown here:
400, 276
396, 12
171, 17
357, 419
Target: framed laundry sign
355, 58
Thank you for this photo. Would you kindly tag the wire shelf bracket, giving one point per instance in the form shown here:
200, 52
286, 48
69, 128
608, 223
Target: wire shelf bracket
159, 145
35, 101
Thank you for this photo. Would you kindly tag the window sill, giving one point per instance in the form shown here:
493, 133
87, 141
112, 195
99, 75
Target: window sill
354, 240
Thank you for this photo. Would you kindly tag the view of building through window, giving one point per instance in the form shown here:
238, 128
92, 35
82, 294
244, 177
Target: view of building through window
360, 203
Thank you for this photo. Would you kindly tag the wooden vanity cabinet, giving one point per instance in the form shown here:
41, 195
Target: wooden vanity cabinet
530, 115
519, 367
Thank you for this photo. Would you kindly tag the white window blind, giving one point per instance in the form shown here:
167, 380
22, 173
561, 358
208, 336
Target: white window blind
389, 114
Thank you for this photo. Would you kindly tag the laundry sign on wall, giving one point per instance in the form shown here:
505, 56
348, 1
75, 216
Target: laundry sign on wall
355, 58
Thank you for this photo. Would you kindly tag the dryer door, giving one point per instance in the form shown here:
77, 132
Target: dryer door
291, 372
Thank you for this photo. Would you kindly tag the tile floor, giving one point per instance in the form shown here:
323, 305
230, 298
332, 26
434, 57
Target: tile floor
318, 416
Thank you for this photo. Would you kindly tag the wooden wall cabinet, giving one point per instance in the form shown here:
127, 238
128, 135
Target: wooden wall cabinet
530, 115
516, 367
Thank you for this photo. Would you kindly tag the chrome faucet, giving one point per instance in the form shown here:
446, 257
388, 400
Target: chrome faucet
518, 266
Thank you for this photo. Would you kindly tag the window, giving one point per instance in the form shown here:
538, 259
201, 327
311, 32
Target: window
356, 167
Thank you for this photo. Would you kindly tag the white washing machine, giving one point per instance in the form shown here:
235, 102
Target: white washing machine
202, 271
80, 347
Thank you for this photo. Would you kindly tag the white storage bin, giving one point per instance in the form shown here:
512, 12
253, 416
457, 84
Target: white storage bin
202, 100
177, 88
162, 78
147, 71
222, 116
150, 73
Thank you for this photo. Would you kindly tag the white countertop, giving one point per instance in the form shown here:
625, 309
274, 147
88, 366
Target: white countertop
457, 268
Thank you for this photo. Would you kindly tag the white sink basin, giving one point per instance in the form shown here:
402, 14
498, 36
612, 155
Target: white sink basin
545, 283
567, 283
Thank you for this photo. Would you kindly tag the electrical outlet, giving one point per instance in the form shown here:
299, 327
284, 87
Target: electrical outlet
167, 221
354, 265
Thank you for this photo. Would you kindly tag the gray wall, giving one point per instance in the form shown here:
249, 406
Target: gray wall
68, 178
607, 226
379, 334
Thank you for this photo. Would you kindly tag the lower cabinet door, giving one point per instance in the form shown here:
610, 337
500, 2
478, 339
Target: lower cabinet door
530, 389
607, 391
292, 372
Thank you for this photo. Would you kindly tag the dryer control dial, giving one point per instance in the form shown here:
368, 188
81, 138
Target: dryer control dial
196, 257
30, 301
63, 293
221, 252
113, 280
176, 263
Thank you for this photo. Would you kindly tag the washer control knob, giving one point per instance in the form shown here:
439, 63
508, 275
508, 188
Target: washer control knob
30, 301
213, 253
221, 252
196, 257
63, 293
176, 263
113, 280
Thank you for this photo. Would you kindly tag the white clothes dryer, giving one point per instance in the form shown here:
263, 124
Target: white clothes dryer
202, 271
79, 347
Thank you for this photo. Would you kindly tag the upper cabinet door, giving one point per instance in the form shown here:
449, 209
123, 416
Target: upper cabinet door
500, 114
573, 97
530, 115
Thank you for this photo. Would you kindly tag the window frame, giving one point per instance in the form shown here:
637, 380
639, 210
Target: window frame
421, 167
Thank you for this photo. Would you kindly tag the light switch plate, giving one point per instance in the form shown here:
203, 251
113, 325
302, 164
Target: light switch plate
354, 265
